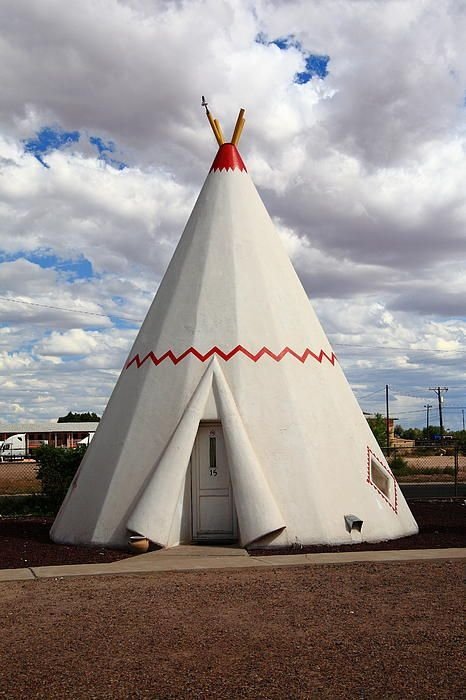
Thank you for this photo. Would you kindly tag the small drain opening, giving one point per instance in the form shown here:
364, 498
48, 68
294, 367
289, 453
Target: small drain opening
353, 523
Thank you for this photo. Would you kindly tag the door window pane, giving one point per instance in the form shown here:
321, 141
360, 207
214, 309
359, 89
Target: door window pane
212, 453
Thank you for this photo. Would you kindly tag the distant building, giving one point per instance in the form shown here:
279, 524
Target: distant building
395, 441
55, 434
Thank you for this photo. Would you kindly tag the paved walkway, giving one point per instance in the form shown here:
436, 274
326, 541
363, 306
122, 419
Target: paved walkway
190, 558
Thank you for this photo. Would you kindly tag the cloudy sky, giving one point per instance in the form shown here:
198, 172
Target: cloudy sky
355, 138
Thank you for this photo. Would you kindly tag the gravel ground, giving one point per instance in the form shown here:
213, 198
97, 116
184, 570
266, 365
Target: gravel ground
356, 631
441, 524
25, 541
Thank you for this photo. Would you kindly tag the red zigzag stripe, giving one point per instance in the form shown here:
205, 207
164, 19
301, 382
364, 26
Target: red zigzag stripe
170, 355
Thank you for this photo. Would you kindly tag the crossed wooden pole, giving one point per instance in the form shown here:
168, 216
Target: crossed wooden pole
217, 129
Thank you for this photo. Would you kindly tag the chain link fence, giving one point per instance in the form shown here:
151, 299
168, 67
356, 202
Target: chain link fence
18, 476
420, 464
442, 463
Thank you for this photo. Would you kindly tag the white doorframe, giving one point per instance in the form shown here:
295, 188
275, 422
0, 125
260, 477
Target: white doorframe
213, 510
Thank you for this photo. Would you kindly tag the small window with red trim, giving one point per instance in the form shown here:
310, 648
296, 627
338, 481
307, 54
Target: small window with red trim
380, 477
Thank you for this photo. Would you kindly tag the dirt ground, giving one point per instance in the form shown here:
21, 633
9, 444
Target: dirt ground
25, 541
441, 524
355, 631
436, 462
19, 477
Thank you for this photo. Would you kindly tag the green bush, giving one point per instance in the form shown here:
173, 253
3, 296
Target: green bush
378, 426
18, 506
435, 470
399, 465
57, 467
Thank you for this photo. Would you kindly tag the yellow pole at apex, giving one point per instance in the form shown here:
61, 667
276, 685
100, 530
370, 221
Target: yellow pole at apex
214, 123
219, 130
238, 128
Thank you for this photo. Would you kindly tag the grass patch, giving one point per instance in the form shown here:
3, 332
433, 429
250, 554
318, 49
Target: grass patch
400, 466
434, 470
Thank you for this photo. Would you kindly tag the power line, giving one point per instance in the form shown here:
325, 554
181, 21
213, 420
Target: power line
73, 311
395, 347
403, 413
367, 396
140, 320
9, 392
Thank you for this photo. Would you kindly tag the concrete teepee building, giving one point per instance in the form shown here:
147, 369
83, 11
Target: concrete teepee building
232, 419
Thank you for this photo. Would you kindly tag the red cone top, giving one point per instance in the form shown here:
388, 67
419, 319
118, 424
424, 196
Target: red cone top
228, 158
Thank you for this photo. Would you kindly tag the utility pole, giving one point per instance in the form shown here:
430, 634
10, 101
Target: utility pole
427, 406
438, 390
387, 424
462, 411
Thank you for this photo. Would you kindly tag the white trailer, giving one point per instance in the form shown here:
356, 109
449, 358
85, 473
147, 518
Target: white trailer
13, 448
86, 440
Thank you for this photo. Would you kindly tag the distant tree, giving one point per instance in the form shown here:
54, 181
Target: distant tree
379, 428
410, 433
433, 430
87, 417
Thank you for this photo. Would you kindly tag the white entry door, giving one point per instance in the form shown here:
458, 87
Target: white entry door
213, 511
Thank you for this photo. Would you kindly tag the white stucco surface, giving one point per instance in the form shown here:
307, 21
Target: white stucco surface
296, 439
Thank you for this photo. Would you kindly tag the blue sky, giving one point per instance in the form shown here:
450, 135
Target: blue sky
80, 267
316, 66
47, 140
53, 138
105, 150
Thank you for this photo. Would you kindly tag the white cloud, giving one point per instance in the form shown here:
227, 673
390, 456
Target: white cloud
72, 342
14, 361
82, 207
363, 172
